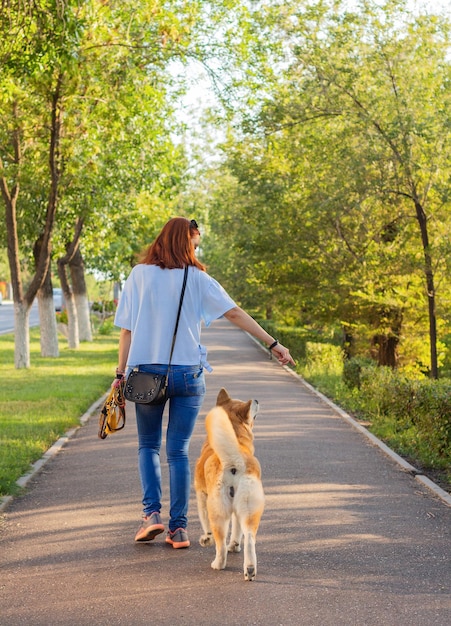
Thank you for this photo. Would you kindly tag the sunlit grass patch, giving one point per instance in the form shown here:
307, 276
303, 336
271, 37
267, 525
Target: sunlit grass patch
41, 403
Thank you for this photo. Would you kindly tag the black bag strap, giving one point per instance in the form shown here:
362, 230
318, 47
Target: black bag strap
185, 276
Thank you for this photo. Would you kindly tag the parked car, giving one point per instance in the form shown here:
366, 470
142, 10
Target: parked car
58, 299
1, 297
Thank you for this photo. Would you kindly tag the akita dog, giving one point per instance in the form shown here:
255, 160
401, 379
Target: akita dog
228, 482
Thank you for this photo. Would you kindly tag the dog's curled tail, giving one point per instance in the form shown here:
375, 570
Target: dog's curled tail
223, 440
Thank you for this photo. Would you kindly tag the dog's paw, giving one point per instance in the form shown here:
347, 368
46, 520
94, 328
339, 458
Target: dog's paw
206, 540
234, 547
218, 563
250, 572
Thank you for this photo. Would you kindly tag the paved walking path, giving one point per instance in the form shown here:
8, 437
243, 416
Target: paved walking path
347, 537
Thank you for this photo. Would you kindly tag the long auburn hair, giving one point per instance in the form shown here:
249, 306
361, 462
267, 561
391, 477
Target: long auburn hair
173, 247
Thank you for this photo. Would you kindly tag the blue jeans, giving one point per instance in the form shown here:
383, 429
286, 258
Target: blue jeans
186, 390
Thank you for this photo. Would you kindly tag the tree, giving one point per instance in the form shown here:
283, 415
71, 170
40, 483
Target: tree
101, 70
379, 85
359, 128
50, 86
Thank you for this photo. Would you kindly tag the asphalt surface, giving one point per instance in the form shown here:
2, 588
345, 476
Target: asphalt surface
347, 538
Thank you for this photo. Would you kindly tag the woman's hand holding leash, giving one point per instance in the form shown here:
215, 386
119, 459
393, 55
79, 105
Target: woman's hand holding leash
119, 380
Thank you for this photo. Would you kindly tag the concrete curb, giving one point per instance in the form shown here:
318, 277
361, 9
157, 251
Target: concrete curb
52, 451
407, 467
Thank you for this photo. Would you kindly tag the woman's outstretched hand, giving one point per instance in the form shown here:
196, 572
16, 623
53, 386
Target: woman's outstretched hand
283, 355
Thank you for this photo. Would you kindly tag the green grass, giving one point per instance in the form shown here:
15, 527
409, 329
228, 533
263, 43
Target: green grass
41, 403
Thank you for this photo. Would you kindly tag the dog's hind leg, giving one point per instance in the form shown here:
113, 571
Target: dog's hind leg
219, 522
249, 507
235, 536
250, 555
220, 535
207, 538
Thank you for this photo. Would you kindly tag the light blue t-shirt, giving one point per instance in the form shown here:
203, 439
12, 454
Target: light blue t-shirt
148, 308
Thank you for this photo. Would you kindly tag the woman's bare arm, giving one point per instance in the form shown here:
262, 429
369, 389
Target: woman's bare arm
243, 320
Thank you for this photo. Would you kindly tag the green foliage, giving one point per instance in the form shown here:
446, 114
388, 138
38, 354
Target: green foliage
335, 135
117, 128
315, 216
446, 356
104, 306
61, 317
387, 393
419, 407
432, 415
352, 371
39, 36
325, 359
4, 269
106, 327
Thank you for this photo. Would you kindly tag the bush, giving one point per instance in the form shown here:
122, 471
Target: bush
106, 327
423, 404
325, 356
388, 393
432, 414
61, 318
376, 385
352, 370
104, 306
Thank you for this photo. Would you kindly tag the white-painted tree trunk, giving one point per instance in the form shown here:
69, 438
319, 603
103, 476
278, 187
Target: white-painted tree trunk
48, 327
21, 335
77, 273
73, 337
84, 319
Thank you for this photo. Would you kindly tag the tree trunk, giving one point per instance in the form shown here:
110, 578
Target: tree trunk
77, 272
47, 323
348, 343
21, 335
386, 350
21, 305
385, 344
72, 322
72, 319
47, 318
429, 273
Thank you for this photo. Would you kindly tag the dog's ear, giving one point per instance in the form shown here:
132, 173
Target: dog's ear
248, 410
223, 397
254, 409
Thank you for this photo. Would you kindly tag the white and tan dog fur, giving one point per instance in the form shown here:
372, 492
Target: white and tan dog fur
228, 482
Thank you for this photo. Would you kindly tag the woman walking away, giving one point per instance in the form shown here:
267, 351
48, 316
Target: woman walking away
147, 314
